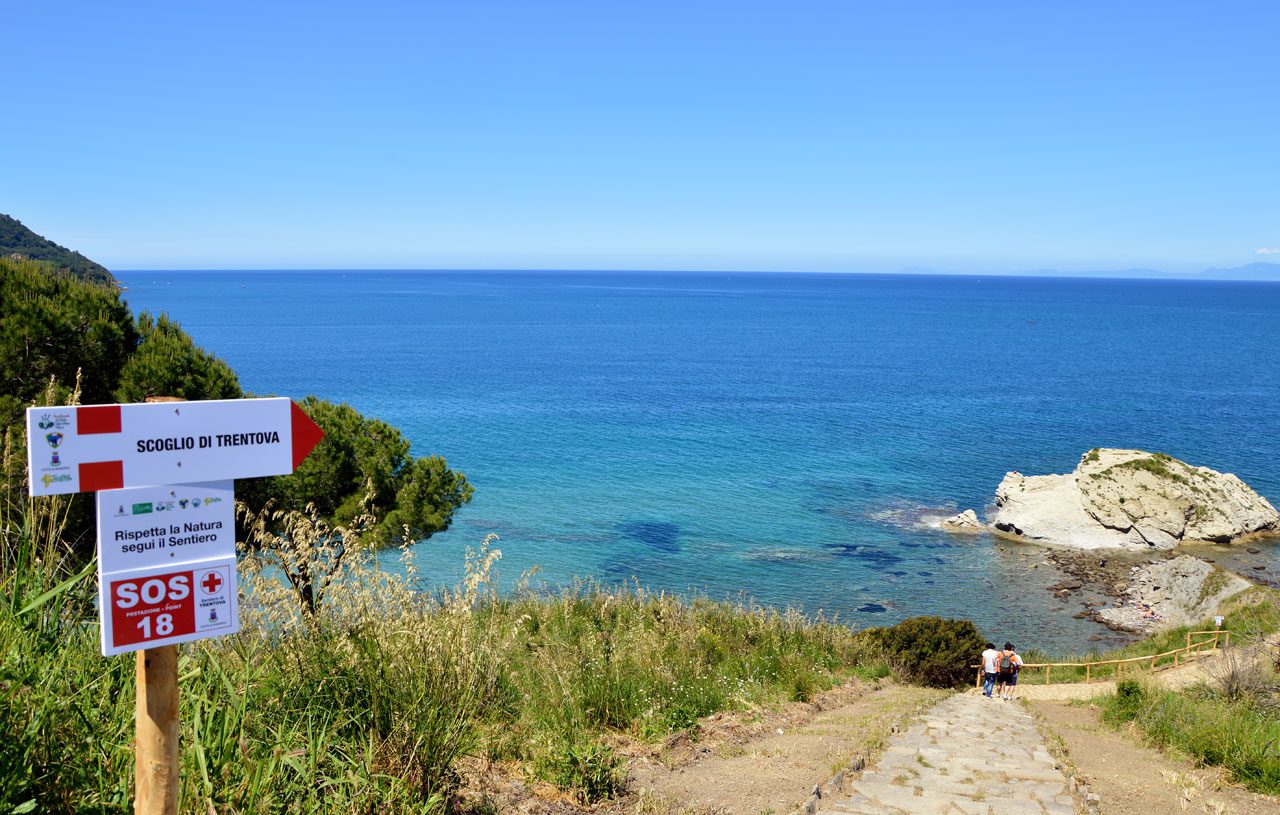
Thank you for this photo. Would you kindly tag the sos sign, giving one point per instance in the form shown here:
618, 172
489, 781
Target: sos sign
155, 608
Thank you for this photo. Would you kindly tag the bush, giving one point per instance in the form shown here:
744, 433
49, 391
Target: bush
930, 650
1127, 704
591, 771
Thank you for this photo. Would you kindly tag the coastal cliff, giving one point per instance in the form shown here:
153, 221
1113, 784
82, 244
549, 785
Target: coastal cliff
1127, 499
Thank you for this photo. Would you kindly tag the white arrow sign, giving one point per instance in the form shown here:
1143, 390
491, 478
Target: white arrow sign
104, 447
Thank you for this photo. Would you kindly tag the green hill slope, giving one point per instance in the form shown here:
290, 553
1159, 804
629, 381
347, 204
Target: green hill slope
17, 239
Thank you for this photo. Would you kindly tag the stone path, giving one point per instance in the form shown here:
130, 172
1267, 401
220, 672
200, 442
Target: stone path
968, 755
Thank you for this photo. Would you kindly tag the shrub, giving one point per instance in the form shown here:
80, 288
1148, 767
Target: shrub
1127, 703
930, 650
591, 771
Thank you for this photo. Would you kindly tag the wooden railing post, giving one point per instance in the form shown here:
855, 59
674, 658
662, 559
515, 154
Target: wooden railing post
1047, 668
1088, 669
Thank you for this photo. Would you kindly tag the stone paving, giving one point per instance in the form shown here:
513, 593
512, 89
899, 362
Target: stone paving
968, 755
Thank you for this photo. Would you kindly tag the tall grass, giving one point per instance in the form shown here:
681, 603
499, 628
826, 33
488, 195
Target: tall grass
368, 699
1241, 735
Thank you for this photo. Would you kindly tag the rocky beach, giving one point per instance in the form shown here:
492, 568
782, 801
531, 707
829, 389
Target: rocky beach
1113, 526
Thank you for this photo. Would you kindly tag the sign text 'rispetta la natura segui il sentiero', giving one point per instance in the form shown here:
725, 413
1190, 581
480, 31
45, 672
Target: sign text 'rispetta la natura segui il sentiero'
166, 565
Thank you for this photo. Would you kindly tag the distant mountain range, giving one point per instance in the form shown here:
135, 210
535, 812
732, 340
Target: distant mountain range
1251, 271
16, 239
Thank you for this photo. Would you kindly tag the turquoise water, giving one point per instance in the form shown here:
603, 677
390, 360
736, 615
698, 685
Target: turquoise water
767, 435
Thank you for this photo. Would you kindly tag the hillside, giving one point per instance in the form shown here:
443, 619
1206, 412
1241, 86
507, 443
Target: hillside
18, 239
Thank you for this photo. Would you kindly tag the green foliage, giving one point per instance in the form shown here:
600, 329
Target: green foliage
167, 362
930, 650
363, 467
1158, 465
16, 239
1127, 704
1237, 735
53, 326
591, 771
427, 496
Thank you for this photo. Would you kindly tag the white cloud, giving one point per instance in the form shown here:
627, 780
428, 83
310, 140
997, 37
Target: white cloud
1269, 250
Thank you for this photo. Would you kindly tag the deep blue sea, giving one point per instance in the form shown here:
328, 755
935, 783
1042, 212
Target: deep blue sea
773, 436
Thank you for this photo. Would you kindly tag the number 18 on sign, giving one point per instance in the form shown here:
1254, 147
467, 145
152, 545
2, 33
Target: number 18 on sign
167, 565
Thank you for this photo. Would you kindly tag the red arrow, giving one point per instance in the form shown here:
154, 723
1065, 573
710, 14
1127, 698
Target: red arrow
306, 433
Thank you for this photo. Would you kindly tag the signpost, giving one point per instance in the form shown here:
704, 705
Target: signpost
166, 533
107, 447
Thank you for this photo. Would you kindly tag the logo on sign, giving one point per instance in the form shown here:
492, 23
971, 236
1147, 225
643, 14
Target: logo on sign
142, 509
54, 439
55, 459
211, 583
45, 422
47, 479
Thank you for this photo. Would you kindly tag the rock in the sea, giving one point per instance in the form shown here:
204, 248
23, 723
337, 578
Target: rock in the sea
966, 521
1180, 591
1130, 499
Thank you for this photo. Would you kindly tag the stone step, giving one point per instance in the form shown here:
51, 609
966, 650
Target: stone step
969, 755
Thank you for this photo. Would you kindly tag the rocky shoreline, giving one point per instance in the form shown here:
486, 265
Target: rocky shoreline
1140, 595
1113, 526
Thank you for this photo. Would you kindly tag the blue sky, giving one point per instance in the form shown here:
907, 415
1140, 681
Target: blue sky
737, 135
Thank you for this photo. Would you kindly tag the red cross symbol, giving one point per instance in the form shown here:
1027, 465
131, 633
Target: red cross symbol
211, 582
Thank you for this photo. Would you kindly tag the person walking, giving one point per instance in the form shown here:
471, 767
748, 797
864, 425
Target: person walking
1008, 663
990, 659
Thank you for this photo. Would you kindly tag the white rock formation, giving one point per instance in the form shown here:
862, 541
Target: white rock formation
966, 521
1130, 499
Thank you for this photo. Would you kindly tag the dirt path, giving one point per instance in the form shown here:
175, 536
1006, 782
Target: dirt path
1137, 780
769, 763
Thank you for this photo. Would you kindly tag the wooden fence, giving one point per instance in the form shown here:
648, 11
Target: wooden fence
1215, 637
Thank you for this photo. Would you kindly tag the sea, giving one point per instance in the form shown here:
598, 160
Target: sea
780, 439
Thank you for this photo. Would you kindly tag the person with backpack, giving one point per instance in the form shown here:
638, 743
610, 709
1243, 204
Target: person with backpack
1008, 663
989, 658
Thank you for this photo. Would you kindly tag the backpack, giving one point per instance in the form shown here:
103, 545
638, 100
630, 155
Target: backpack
1006, 662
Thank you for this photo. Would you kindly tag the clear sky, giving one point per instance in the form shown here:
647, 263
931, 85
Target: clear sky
860, 136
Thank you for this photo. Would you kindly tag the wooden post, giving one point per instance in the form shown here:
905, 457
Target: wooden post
1088, 669
1047, 668
1153, 663
1175, 659
155, 750
156, 720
